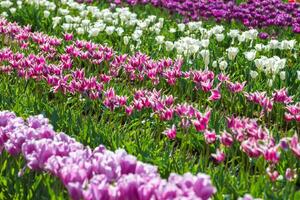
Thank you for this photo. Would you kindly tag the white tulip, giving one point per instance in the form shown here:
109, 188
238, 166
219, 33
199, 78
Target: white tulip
223, 65
46, 13
75, 19
55, 21
66, 26
270, 65
126, 40
253, 74
157, 30
6, 4
259, 47
160, 39
169, 45
292, 44
218, 29
204, 43
152, 18
282, 75
220, 37
93, 32
12, 10
192, 26
143, 25
193, 49
80, 31
274, 44
181, 27
137, 34
132, 47
205, 55
4, 14
100, 25
19, 3
172, 30
270, 82
242, 38
110, 30
68, 18
215, 64
232, 52
63, 11
250, 55
233, 33
298, 75
251, 34
85, 22
120, 31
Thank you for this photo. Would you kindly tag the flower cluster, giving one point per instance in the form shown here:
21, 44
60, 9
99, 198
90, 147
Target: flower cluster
93, 174
253, 13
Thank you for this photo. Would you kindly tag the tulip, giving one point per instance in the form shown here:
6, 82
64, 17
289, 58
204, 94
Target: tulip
199, 125
236, 87
272, 155
250, 55
68, 36
215, 95
226, 139
290, 174
232, 52
171, 132
273, 175
219, 156
89, 174
210, 137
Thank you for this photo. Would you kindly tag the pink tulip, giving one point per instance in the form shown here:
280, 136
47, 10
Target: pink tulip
68, 36
282, 96
290, 174
226, 139
273, 175
200, 126
215, 95
295, 146
170, 132
128, 110
219, 156
235, 87
272, 155
210, 137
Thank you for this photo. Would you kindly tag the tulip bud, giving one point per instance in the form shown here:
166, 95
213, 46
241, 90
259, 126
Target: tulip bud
282, 75
253, 74
220, 37
223, 65
46, 13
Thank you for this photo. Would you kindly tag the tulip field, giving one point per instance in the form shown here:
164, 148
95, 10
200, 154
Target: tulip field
150, 99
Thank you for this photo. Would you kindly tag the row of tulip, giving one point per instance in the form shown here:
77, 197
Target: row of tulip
252, 13
79, 18
272, 67
60, 78
93, 174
